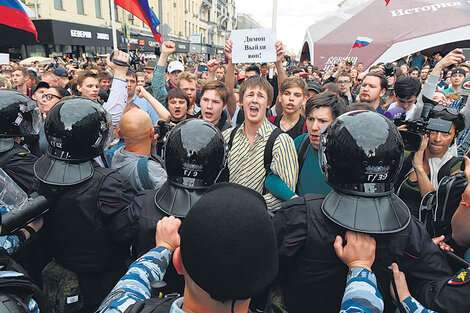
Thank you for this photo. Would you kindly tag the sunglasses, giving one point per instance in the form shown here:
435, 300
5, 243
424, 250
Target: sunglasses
49, 96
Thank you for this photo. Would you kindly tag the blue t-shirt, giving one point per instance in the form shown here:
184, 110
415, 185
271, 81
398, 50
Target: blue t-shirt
144, 105
311, 178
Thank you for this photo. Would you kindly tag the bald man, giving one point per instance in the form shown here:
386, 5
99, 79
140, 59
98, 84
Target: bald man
134, 160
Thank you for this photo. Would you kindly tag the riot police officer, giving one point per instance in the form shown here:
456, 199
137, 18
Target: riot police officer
19, 117
194, 155
90, 224
361, 155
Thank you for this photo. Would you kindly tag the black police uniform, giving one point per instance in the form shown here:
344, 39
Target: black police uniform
194, 155
314, 277
18, 163
20, 117
91, 223
362, 200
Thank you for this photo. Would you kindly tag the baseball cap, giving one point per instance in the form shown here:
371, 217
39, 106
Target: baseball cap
61, 72
150, 65
175, 66
315, 87
459, 70
38, 86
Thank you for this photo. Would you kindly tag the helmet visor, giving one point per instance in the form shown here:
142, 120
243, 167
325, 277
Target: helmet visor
29, 119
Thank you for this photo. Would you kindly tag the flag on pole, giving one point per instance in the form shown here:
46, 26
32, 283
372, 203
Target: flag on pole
142, 10
386, 2
14, 15
362, 42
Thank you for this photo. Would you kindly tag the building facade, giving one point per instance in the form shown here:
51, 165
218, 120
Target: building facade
246, 21
77, 27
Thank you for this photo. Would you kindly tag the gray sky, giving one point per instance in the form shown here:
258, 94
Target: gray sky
293, 18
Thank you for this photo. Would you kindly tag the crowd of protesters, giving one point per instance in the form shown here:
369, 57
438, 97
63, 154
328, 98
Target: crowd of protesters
267, 121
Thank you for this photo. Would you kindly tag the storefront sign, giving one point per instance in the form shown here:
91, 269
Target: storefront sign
102, 36
80, 33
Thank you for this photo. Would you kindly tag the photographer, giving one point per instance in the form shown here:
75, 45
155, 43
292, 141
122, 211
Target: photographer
432, 161
391, 73
454, 57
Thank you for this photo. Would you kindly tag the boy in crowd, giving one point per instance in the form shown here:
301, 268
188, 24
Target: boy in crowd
293, 96
214, 98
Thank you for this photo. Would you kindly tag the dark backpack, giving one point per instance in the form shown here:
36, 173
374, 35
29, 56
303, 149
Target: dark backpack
268, 153
437, 207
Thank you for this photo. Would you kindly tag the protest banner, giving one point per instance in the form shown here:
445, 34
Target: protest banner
254, 45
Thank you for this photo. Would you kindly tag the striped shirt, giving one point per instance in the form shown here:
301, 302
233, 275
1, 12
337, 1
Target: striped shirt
246, 164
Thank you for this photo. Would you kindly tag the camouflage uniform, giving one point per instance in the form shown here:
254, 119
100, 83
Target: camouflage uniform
135, 284
10, 244
361, 295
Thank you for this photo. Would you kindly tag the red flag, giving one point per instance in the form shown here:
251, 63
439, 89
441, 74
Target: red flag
142, 10
387, 1
13, 15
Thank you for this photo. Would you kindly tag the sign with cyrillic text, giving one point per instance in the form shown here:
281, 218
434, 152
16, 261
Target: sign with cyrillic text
253, 45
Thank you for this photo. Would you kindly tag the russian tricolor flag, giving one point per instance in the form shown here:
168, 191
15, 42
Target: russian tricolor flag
362, 42
13, 14
142, 10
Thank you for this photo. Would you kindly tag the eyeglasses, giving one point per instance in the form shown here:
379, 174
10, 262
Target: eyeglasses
49, 96
440, 108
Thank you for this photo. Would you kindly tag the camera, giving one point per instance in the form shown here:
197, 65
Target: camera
389, 70
417, 128
162, 129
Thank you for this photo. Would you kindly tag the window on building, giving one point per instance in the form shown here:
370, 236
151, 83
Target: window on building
58, 5
98, 8
80, 8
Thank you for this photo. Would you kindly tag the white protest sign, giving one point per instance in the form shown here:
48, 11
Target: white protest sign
253, 45
4, 58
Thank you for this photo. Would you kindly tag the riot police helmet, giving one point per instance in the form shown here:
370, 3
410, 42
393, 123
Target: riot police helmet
19, 117
77, 130
194, 154
361, 155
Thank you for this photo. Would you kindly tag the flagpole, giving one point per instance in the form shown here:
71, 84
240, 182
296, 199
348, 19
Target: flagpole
113, 24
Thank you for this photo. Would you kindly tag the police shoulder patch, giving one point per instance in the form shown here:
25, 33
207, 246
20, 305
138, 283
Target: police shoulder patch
461, 278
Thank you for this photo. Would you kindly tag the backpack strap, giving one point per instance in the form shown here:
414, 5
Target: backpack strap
405, 170
232, 136
302, 152
268, 149
143, 172
7, 155
446, 169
